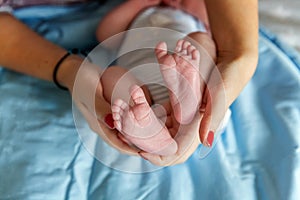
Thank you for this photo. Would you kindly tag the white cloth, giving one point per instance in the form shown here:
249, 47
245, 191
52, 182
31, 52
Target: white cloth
167, 25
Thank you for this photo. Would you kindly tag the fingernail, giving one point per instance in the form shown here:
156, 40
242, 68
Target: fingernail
108, 119
210, 138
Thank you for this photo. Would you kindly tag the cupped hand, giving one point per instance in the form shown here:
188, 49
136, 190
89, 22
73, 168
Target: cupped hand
87, 94
226, 81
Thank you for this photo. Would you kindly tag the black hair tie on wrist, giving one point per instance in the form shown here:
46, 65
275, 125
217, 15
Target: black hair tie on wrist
73, 51
56, 70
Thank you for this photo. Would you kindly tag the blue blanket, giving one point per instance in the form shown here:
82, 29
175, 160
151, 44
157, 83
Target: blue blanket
42, 156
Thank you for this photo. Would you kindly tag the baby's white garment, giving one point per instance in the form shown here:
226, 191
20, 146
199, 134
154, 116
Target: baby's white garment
148, 29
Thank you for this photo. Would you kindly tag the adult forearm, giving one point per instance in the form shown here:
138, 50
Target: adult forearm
24, 51
234, 24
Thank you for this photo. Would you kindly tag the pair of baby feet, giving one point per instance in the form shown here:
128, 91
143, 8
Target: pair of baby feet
139, 124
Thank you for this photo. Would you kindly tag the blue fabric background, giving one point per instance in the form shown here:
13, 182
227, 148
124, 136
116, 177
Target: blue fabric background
42, 157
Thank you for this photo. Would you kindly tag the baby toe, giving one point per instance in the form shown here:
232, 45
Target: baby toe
179, 46
195, 54
118, 125
137, 95
190, 49
185, 45
161, 50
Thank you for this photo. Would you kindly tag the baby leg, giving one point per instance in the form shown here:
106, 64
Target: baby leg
140, 126
181, 74
116, 82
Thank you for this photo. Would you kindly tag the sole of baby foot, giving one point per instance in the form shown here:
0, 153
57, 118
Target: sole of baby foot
158, 145
139, 125
169, 150
181, 75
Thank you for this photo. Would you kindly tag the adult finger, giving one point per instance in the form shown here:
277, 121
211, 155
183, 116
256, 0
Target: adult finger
88, 96
215, 108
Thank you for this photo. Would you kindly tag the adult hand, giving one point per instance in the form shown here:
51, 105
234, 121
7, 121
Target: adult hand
225, 83
87, 94
236, 35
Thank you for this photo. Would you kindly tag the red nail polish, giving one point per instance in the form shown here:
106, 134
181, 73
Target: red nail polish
210, 138
108, 119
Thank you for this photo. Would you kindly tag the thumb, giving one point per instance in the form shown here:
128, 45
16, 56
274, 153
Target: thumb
215, 109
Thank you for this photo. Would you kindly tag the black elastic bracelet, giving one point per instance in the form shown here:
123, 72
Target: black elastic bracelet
56, 70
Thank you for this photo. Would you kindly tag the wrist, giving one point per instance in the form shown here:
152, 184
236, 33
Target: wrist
67, 71
236, 72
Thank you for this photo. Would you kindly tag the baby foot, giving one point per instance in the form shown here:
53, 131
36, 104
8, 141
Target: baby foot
181, 74
140, 126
